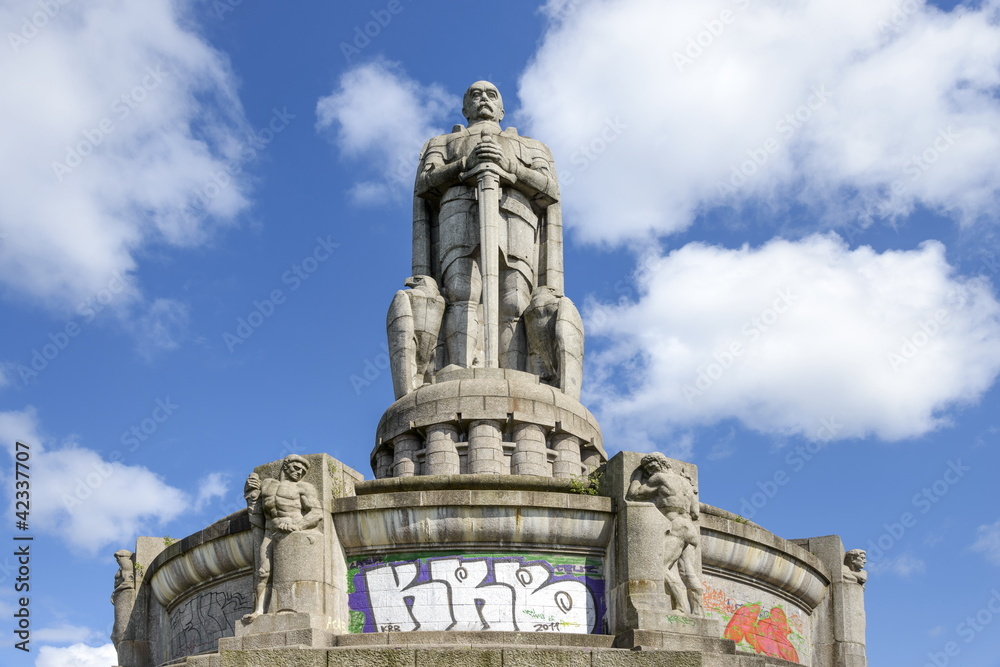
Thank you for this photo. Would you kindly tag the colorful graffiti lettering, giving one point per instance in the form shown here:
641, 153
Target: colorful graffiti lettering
768, 635
476, 593
716, 599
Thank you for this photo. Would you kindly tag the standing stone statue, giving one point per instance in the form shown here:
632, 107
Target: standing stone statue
123, 596
278, 508
487, 231
677, 499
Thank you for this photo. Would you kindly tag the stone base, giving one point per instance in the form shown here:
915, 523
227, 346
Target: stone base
701, 635
487, 421
284, 629
463, 656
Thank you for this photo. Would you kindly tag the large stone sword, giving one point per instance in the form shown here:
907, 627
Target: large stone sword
488, 176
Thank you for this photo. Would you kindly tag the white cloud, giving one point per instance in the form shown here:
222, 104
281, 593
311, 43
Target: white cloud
77, 655
806, 338
643, 139
66, 633
85, 500
988, 542
213, 485
122, 116
380, 116
904, 566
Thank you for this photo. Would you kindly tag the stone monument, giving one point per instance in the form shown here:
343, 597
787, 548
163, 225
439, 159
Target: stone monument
496, 530
486, 349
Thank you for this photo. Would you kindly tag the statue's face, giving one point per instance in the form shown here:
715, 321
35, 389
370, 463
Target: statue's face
482, 102
653, 466
295, 470
860, 560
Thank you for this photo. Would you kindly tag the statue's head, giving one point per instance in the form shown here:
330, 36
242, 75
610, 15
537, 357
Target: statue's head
421, 281
855, 559
123, 556
655, 462
482, 101
295, 467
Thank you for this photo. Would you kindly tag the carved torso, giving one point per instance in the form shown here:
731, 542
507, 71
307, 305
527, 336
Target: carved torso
453, 202
283, 499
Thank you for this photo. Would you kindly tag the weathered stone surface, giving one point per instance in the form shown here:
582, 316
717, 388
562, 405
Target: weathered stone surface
751, 551
388, 657
468, 657
645, 659
275, 658
544, 657
496, 421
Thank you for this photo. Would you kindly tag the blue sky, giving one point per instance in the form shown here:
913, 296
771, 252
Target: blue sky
781, 232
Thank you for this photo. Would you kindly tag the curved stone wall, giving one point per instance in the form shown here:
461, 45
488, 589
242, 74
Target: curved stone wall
527, 513
494, 553
754, 579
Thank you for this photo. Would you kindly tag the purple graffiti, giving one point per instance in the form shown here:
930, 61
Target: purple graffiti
478, 593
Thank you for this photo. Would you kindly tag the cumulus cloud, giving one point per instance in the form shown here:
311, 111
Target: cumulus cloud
77, 494
213, 485
66, 633
802, 338
381, 116
849, 107
120, 143
988, 542
77, 655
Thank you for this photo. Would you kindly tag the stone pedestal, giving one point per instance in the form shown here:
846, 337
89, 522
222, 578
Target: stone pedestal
282, 629
638, 599
841, 639
487, 421
307, 596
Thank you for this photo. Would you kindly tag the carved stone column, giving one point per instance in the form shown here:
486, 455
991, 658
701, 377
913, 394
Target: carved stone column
383, 464
567, 463
404, 462
486, 448
530, 455
442, 451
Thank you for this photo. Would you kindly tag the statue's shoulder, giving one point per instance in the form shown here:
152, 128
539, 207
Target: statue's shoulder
441, 141
533, 146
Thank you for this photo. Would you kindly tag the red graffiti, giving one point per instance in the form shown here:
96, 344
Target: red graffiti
766, 635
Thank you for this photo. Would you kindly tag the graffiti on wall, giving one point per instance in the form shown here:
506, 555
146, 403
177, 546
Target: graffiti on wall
513, 593
768, 635
766, 629
197, 624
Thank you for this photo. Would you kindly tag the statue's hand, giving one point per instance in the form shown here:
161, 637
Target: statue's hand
490, 151
285, 525
253, 481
